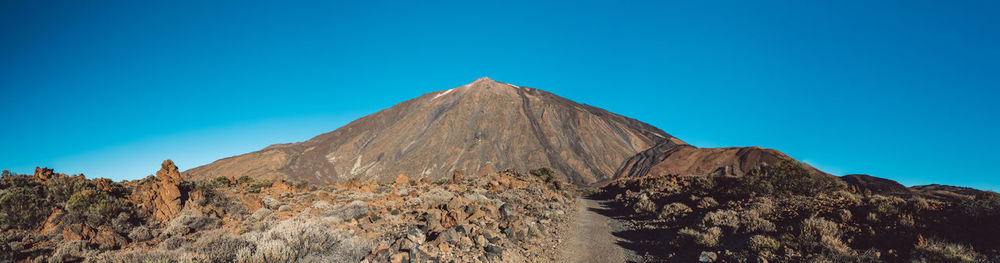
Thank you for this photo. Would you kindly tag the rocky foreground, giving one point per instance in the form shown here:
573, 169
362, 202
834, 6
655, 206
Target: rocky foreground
500, 217
787, 213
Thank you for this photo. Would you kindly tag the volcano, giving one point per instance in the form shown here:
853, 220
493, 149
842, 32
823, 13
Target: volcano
480, 127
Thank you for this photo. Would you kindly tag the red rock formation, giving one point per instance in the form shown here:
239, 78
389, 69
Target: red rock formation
43, 174
162, 197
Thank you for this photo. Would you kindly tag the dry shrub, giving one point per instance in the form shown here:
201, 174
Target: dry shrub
747, 221
144, 255
355, 210
674, 210
707, 238
302, 240
819, 234
644, 206
762, 243
221, 246
189, 223
727, 219
936, 250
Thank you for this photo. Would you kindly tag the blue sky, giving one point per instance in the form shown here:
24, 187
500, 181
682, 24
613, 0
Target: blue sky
905, 90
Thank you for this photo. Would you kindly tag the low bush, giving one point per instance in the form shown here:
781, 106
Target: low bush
22, 208
728, 220
302, 241
189, 223
220, 246
674, 210
94, 207
746, 221
821, 235
762, 243
146, 256
256, 186
60, 188
354, 210
547, 174
644, 206
140, 234
221, 181
708, 238
935, 250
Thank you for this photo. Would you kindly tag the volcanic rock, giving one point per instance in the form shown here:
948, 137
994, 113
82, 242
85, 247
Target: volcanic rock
163, 197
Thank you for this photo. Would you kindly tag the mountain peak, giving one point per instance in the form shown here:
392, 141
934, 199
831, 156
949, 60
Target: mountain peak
486, 82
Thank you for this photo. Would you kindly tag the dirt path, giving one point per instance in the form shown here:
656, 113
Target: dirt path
591, 238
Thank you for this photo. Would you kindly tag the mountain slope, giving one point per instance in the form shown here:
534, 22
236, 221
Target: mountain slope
479, 127
671, 158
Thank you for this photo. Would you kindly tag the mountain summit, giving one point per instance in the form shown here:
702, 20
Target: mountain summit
479, 127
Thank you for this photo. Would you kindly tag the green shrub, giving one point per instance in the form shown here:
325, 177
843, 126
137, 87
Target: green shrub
61, 188
94, 207
244, 180
221, 181
256, 186
22, 208
11, 180
546, 173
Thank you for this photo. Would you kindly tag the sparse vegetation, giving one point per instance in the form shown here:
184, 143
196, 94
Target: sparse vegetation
783, 213
935, 250
255, 186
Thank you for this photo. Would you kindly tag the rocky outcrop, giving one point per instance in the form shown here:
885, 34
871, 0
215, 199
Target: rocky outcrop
163, 196
479, 127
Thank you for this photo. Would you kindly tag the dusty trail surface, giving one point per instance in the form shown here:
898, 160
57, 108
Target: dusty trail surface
591, 238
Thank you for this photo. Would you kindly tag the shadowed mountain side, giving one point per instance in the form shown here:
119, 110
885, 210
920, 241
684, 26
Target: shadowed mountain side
673, 158
864, 183
480, 127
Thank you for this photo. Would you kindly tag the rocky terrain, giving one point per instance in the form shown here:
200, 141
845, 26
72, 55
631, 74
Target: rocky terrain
441, 178
786, 213
481, 127
506, 216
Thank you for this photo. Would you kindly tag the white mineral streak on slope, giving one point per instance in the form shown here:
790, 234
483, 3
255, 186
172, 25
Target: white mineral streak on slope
442, 93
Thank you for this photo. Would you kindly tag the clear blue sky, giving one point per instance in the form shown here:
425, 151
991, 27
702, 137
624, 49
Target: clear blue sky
906, 89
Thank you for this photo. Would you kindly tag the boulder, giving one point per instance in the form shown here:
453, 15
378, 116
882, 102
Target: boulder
402, 180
